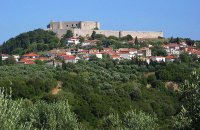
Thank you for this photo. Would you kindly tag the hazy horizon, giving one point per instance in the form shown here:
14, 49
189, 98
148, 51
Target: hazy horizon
175, 18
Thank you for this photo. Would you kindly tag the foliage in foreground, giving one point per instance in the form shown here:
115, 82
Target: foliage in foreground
22, 114
25, 115
189, 117
94, 89
131, 120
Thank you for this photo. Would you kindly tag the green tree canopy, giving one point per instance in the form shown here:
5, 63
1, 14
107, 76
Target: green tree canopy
129, 37
158, 51
93, 35
21, 43
69, 34
131, 120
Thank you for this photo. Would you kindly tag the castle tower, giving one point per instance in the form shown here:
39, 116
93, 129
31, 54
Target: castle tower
81, 25
60, 25
98, 25
120, 34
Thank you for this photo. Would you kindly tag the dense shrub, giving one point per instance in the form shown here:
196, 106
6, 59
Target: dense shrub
22, 114
131, 120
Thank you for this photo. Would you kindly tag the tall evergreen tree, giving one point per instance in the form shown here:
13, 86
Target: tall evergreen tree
1, 61
69, 34
136, 42
178, 40
171, 40
93, 35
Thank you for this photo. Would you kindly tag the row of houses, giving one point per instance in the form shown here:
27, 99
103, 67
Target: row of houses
177, 49
70, 55
53, 57
171, 48
6, 56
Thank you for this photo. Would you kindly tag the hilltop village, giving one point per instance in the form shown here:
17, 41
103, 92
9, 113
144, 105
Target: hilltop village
83, 40
57, 55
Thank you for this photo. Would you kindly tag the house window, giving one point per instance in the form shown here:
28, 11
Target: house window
72, 25
67, 25
76, 24
76, 34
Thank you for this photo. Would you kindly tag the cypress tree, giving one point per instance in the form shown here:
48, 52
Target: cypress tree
136, 42
1, 61
93, 35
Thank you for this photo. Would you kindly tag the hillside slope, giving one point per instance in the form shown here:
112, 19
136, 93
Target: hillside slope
37, 40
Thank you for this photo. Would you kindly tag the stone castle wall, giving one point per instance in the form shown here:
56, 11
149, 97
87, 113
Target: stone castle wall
84, 33
87, 25
107, 33
85, 28
141, 34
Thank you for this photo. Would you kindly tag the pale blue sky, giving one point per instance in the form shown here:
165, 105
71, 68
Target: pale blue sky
178, 18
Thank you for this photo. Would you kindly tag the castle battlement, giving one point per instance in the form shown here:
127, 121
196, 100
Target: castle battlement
85, 29
86, 25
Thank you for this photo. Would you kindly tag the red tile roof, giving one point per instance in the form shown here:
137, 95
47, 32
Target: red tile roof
197, 52
170, 57
27, 61
133, 49
123, 49
107, 49
43, 58
31, 55
69, 57
30, 62
115, 56
61, 54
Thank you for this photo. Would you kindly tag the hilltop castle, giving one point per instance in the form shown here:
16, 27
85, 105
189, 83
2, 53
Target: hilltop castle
85, 29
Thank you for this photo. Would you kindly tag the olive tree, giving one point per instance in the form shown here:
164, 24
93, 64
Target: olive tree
131, 120
189, 117
25, 115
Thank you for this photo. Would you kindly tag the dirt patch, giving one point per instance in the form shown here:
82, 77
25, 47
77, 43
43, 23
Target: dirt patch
148, 74
172, 86
57, 89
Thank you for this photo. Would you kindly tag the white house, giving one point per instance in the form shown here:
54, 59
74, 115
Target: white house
5, 56
172, 49
170, 58
71, 58
158, 58
17, 57
115, 57
97, 54
133, 51
125, 55
73, 41
146, 51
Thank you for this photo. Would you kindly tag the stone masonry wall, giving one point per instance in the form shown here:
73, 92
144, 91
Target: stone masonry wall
86, 25
89, 25
85, 28
139, 34
87, 33
84, 33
